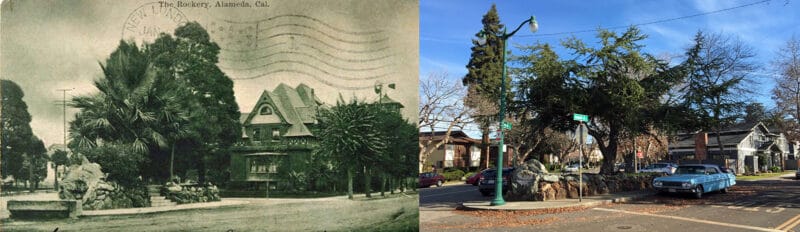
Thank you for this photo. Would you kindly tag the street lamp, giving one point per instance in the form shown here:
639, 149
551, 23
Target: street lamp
498, 193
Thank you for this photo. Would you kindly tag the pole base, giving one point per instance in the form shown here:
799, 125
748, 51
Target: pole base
498, 201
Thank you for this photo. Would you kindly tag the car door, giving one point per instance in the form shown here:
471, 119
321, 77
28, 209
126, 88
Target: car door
715, 178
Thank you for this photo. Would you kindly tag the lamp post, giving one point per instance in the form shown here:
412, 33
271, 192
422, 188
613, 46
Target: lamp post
498, 194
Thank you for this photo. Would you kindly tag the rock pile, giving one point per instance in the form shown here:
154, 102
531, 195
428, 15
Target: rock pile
184, 194
86, 182
531, 182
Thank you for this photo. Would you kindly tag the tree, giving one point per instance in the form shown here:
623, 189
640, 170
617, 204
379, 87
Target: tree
717, 81
755, 112
59, 158
348, 134
441, 105
614, 84
134, 109
401, 139
484, 72
205, 94
23, 154
786, 92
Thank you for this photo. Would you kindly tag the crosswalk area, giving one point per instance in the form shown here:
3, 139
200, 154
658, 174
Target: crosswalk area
766, 207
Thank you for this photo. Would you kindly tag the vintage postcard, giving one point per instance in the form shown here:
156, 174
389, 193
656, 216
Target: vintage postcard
209, 115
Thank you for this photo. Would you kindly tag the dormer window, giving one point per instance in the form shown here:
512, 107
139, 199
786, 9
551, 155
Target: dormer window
265, 110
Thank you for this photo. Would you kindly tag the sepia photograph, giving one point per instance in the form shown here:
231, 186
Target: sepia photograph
209, 115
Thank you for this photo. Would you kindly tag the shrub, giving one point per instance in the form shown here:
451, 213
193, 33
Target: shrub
775, 169
120, 162
453, 175
469, 174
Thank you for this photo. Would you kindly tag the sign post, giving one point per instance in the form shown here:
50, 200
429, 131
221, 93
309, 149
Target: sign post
581, 140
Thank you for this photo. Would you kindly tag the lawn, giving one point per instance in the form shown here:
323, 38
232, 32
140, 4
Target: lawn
763, 176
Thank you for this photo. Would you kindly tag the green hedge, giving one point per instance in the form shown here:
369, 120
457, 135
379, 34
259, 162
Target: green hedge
775, 169
453, 175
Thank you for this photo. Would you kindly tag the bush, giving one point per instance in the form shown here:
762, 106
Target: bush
453, 175
775, 169
469, 174
120, 162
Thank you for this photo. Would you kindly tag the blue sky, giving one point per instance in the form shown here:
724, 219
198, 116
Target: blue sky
447, 27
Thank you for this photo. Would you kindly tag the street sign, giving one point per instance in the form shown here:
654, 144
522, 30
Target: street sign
506, 126
639, 154
581, 134
580, 117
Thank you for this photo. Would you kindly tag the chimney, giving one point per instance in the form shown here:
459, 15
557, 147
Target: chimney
701, 146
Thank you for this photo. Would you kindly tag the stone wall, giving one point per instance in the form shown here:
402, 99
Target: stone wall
531, 182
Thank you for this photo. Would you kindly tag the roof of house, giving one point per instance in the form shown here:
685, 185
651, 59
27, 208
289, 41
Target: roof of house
729, 136
455, 136
293, 106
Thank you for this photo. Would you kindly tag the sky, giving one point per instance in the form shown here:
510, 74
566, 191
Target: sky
343, 47
447, 28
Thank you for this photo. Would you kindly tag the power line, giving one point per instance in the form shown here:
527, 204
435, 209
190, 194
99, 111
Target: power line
650, 22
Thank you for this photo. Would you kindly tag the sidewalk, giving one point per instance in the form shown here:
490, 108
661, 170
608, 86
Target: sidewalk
126, 211
588, 201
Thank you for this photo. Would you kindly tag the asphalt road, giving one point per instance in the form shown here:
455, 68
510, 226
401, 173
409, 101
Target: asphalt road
765, 205
448, 196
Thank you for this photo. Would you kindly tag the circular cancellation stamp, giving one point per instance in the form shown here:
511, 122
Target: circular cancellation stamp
149, 20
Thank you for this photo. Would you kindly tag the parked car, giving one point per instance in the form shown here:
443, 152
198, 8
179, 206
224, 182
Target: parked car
667, 168
475, 178
696, 179
571, 168
797, 174
487, 181
428, 179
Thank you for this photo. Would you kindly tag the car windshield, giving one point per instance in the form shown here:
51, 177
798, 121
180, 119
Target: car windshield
691, 170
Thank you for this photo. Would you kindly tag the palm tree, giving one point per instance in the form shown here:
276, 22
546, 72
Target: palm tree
350, 136
134, 106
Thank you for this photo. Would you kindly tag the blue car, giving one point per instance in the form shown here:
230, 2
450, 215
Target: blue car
696, 179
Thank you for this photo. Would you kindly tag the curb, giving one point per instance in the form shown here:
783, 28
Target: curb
593, 203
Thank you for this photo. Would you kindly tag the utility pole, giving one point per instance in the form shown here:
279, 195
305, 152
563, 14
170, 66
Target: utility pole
63, 104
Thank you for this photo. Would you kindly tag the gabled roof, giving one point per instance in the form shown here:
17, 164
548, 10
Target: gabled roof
295, 107
729, 136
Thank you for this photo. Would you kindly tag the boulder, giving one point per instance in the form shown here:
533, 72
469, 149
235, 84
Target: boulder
534, 166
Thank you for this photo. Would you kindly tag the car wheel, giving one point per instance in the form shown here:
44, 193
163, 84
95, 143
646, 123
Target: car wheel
699, 192
723, 190
438, 183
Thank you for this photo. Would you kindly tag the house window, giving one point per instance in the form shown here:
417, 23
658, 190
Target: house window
273, 168
256, 134
258, 166
265, 110
276, 134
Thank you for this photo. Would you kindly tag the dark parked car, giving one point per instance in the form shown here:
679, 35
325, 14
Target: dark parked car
486, 185
797, 174
430, 178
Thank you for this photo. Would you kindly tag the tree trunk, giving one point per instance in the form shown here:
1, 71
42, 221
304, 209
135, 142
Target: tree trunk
350, 183
383, 184
55, 185
609, 151
367, 183
485, 147
172, 163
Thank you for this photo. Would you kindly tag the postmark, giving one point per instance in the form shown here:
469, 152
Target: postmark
149, 20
